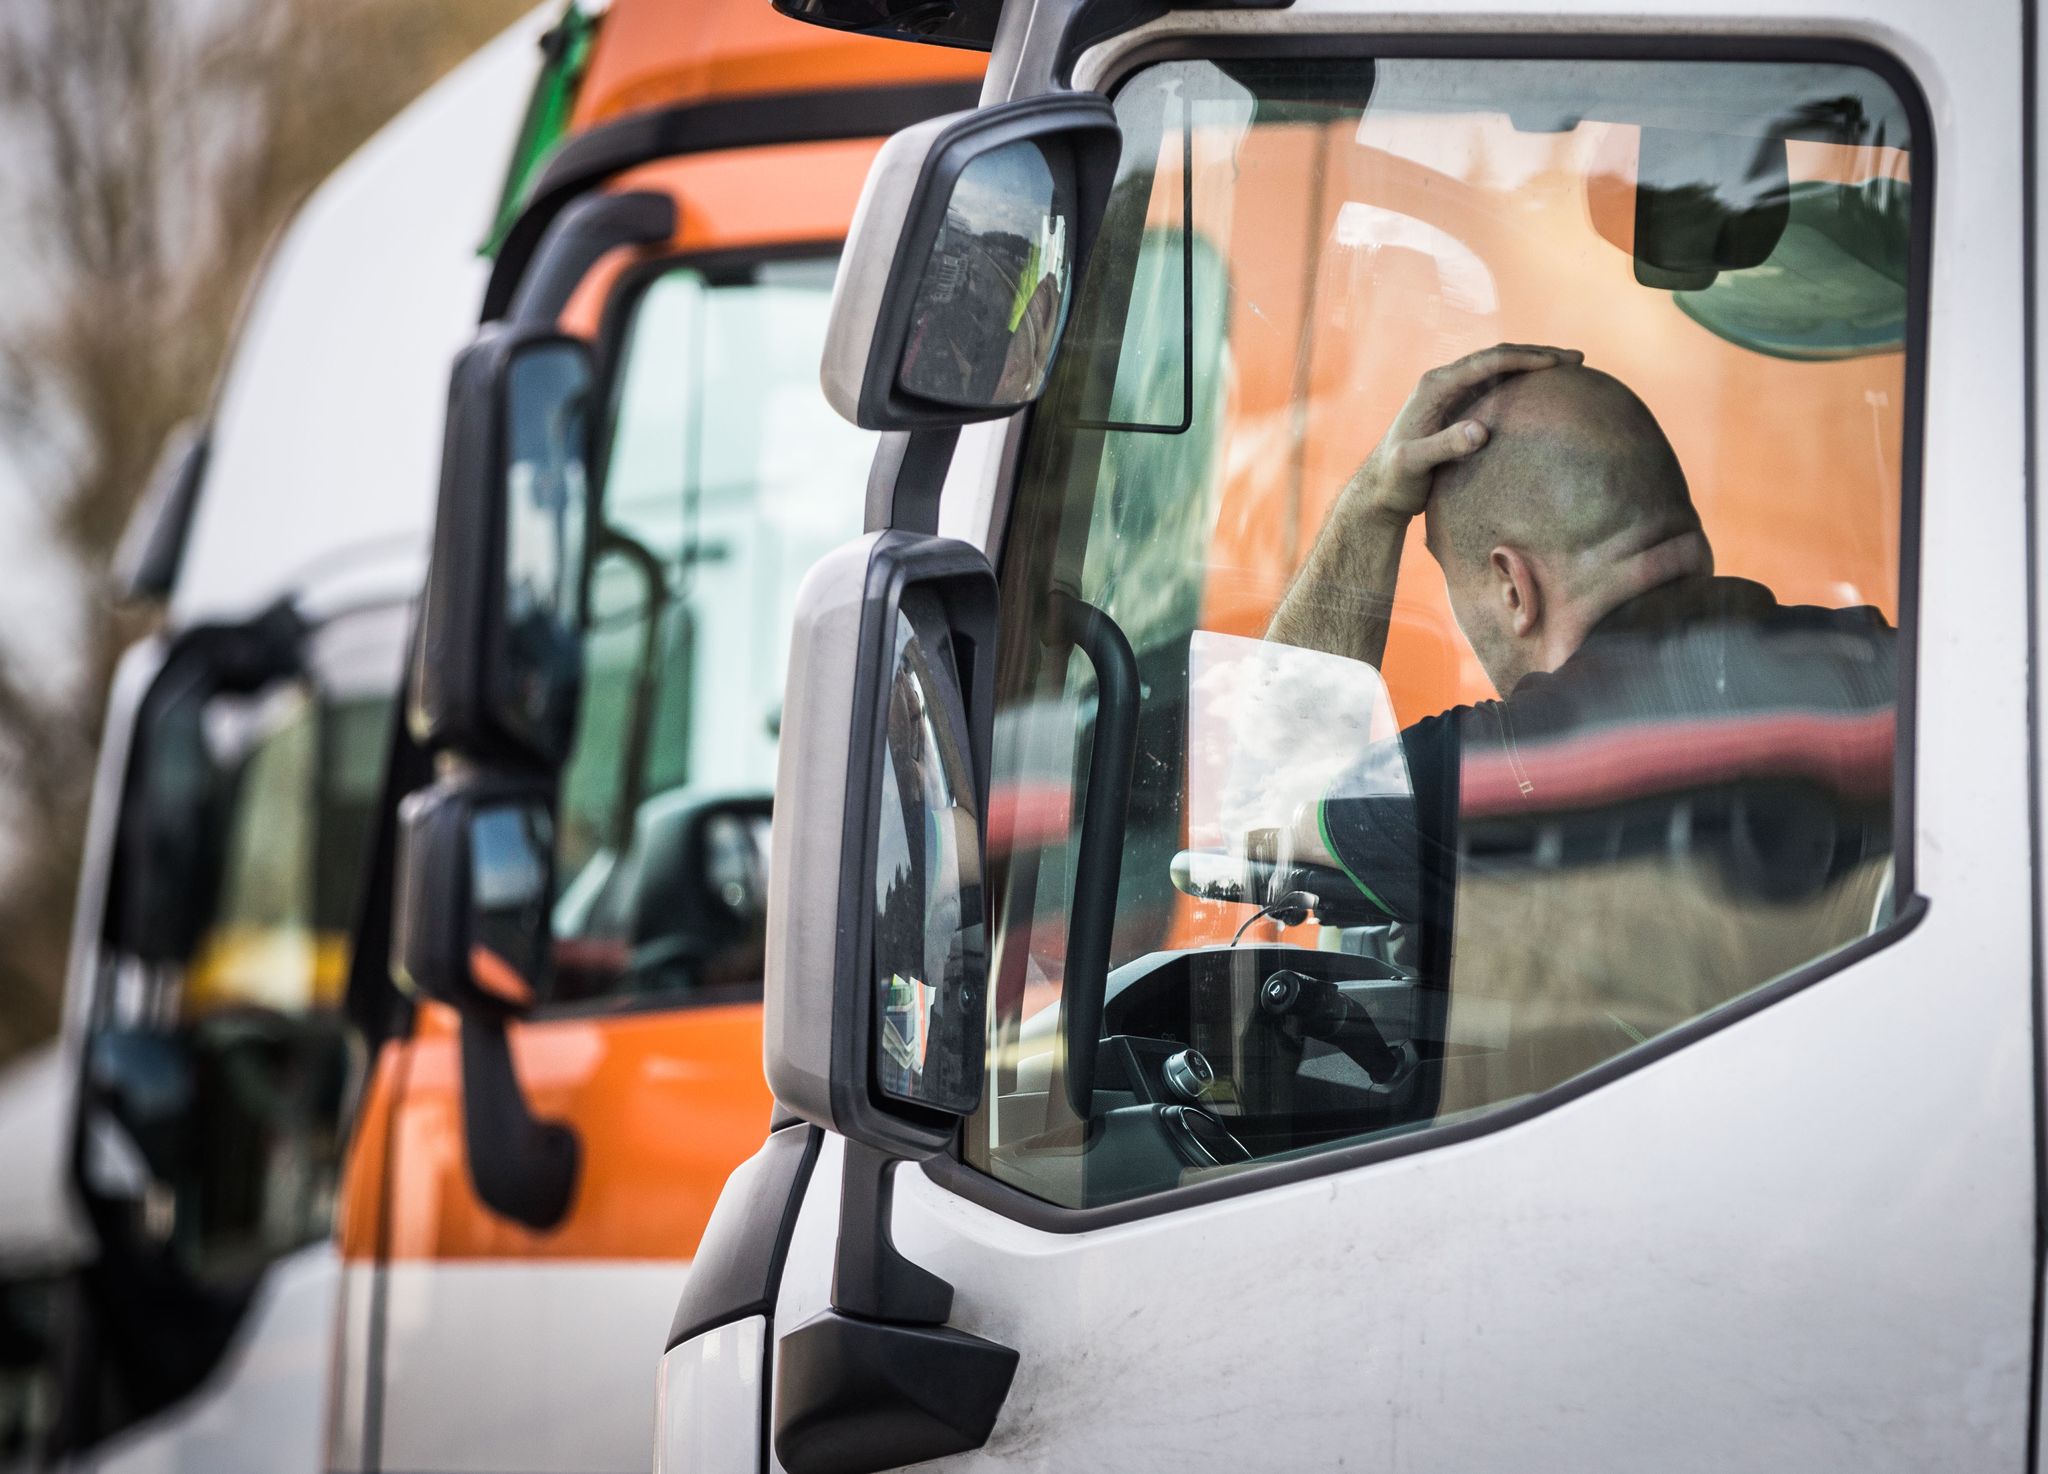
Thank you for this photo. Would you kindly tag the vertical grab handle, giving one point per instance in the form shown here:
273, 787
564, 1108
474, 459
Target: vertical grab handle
1098, 861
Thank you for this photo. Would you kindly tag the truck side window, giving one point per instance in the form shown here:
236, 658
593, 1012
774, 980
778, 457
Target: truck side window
1435, 812
727, 476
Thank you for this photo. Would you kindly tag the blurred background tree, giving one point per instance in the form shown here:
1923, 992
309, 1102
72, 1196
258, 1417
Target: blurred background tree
154, 148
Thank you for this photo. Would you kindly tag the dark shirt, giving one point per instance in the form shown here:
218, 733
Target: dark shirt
1700, 686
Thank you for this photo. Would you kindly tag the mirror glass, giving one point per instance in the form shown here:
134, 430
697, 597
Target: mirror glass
993, 299
931, 949
736, 863
511, 846
547, 439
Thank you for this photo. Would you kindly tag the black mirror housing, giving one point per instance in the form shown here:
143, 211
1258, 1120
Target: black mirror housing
475, 885
951, 304
877, 915
168, 848
499, 666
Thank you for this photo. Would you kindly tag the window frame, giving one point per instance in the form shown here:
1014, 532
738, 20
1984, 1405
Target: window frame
614, 336
950, 1171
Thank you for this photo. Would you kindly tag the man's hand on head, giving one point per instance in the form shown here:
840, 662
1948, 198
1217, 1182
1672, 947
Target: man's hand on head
1343, 596
1392, 485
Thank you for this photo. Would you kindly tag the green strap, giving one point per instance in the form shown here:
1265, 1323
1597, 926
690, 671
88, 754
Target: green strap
1323, 828
566, 57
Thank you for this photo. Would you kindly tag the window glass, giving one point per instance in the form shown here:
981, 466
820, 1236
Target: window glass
728, 476
1499, 709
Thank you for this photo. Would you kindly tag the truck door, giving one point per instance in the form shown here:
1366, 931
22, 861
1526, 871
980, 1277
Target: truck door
531, 1347
1583, 1093
220, 1061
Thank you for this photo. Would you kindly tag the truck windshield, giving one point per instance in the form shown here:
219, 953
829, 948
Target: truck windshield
1429, 817
728, 475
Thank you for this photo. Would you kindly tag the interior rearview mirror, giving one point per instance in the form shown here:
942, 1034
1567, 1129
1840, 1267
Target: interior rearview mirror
1689, 206
877, 913
475, 883
500, 665
963, 259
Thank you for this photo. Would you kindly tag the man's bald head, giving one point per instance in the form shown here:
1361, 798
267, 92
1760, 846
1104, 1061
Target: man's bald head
1575, 471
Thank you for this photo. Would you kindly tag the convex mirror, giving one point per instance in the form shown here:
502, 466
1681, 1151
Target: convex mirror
500, 662
960, 269
877, 914
477, 856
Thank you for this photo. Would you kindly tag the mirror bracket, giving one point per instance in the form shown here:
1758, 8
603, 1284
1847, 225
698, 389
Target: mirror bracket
523, 1168
870, 1278
879, 1380
908, 473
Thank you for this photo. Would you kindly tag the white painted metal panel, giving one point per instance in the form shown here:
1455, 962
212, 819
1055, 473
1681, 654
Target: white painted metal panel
540, 1366
261, 1411
708, 1404
40, 1226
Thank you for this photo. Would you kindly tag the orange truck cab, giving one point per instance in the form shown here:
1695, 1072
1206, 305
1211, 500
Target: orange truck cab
569, 878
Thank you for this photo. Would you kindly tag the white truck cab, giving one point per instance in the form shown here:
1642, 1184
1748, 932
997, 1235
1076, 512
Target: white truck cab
1351, 895
191, 1120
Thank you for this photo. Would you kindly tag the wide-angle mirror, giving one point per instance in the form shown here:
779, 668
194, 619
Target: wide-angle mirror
993, 298
971, 238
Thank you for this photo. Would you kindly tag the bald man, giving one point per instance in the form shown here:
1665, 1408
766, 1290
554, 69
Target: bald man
1627, 672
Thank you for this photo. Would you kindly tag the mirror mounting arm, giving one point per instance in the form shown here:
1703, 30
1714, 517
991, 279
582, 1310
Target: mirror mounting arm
879, 1380
908, 473
870, 1278
521, 1166
581, 235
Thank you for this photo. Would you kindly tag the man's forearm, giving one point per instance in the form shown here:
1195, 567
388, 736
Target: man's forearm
1342, 599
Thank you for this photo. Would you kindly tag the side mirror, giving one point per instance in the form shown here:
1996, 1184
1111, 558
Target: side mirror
877, 925
168, 845
878, 975
500, 664
963, 258
475, 866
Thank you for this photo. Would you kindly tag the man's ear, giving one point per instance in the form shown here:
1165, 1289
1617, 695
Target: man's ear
1516, 587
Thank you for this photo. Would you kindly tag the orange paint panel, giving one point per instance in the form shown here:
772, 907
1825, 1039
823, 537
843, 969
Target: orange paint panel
747, 199
363, 1178
658, 53
666, 1103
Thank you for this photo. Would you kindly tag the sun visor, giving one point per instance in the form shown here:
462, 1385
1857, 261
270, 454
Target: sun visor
1835, 286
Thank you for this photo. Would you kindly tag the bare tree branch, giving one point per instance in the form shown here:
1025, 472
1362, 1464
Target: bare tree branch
160, 153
